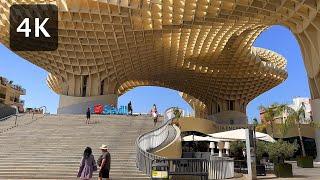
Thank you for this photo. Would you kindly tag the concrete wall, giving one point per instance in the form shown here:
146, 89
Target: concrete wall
315, 106
6, 110
79, 105
174, 149
197, 124
226, 117
306, 131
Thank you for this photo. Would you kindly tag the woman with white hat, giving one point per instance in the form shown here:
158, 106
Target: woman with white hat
104, 163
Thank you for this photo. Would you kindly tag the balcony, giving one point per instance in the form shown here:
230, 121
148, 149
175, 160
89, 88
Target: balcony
3, 81
18, 88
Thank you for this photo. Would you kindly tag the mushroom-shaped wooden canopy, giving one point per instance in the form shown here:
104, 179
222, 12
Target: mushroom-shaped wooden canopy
200, 47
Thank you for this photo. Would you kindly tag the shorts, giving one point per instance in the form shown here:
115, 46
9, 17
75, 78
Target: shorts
104, 173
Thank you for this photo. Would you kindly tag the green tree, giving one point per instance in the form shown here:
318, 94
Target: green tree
236, 148
270, 113
295, 117
261, 149
255, 121
177, 113
280, 150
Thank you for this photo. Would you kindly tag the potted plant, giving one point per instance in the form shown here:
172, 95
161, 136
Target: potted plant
278, 152
260, 152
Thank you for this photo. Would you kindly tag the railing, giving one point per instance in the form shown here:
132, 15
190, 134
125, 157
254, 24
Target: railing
8, 117
220, 168
213, 168
186, 167
151, 140
6, 111
16, 120
5, 82
9, 122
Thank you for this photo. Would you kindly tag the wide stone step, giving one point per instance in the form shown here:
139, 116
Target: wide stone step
51, 147
61, 174
19, 177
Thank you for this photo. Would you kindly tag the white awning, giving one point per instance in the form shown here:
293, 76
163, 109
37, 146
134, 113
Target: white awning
200, 138
240, 135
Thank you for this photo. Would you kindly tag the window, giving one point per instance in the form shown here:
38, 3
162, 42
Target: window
231, 104
101, 87
218, 108
84, 86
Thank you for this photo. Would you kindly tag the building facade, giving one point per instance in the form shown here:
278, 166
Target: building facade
295, 105
10, 94
108, 48
201, 48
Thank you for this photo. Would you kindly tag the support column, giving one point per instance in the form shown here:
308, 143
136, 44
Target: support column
79, 105
227, 148
315, 108
220, 147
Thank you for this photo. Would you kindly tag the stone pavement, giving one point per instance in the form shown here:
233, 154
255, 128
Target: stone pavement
298, 173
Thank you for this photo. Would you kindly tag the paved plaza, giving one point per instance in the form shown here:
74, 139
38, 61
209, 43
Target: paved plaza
299, 173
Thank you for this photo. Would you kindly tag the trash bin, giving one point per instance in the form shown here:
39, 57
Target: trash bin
159, 169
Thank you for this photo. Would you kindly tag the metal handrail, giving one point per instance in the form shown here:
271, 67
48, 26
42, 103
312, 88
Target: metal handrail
8, 117
16, 120
151, 140
215, 167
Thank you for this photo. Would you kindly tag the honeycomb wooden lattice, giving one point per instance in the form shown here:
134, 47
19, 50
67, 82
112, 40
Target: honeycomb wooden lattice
202, 48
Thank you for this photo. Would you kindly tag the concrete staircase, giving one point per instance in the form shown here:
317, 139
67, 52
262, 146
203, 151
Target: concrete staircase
51, 147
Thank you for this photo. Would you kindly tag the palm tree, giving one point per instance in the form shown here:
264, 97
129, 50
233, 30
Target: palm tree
270, 114
255, 121
294, 118
297, 116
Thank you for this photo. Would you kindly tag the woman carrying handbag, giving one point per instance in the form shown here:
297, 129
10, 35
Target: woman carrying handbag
87, 165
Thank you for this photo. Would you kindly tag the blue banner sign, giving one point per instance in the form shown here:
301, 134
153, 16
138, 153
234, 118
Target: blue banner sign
108, 110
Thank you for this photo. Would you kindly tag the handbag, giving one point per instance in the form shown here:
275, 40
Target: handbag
95, 168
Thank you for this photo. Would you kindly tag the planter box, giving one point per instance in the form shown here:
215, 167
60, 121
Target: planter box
305, 162
283, 170
261, 170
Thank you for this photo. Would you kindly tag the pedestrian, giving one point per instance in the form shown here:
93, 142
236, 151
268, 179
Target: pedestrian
104, 163
130, 108
87, 165
88, 116
154, 114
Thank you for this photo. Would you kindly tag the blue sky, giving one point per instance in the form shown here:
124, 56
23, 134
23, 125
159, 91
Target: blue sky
276, 38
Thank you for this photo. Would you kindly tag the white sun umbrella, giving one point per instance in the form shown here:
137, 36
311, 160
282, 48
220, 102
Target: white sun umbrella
240, 135
200, 138
267, 137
